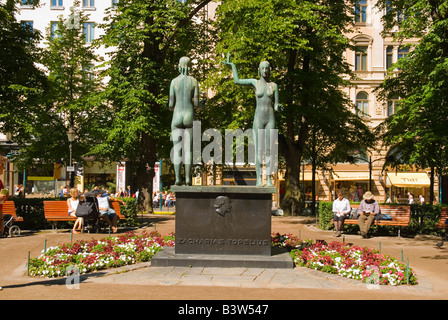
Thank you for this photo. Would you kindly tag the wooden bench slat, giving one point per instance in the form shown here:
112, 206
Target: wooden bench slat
401, 216
443, 217
10, 208
58, 211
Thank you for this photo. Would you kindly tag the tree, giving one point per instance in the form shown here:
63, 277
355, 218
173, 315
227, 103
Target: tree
68, 100
21, 82
304, 42
147, 39
418, 130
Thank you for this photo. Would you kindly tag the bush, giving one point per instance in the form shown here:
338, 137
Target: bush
325, 215
424, 219
32, 212
130, 211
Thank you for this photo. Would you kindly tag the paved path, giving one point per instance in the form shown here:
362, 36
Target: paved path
144, 274
143, 281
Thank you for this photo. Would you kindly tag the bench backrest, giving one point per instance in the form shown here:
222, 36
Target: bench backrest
55, 209
443, 215
398, 213
116, 206
60, 208
9, 207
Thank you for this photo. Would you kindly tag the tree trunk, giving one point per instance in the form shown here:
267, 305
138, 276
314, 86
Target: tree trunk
146, 172
292, 204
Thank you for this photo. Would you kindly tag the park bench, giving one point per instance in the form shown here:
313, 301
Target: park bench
10, 208
401, 216
56, 211
443, 217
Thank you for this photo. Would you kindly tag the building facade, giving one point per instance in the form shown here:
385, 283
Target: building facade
374, 55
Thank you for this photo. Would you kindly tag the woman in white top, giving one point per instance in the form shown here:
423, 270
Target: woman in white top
72, 204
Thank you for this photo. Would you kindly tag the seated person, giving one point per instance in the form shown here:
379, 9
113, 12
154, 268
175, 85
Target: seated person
341, 211
367, 211
106, 212
72, 204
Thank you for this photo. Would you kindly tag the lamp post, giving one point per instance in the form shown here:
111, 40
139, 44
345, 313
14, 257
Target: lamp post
71, 137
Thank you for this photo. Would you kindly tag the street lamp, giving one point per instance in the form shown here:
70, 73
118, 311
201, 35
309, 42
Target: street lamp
71, 137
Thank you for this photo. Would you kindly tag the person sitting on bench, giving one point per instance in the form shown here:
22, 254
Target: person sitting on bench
367, 211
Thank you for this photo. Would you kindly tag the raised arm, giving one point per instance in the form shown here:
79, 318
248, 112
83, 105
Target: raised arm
236, 79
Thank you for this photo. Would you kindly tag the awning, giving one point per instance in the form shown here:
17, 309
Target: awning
408, 179
308, 176
350, 175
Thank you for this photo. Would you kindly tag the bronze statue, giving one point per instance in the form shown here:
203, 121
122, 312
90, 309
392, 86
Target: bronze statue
267, 101
184, 97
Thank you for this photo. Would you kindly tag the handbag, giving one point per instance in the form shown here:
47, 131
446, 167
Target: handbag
382, 216
354, 214
85, 209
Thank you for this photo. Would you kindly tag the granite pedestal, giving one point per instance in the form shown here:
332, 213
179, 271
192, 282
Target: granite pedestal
223, 226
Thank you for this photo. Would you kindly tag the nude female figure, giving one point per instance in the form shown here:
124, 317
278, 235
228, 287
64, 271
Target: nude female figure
266, 93
184, 97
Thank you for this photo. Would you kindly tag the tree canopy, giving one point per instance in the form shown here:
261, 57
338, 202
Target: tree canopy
418, 129
304, 42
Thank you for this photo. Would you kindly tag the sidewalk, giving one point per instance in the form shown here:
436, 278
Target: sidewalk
257, 278
141, 281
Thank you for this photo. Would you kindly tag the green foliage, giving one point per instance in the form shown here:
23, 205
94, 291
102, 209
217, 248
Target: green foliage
32, 212
423, 219
305, 53
418, 129
147, 39
67, 100
325, 215
129, 211
21, 82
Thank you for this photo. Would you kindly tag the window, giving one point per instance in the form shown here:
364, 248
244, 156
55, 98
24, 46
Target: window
88, 3
57, 3
88, 72
403, 52
362, 104
392, 105
53, 29
88, 30
361, 11
361, 59
28, 25
114, 3
389, 57
27, 2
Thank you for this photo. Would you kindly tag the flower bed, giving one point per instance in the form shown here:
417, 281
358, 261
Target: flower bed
96, 255
360, 263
